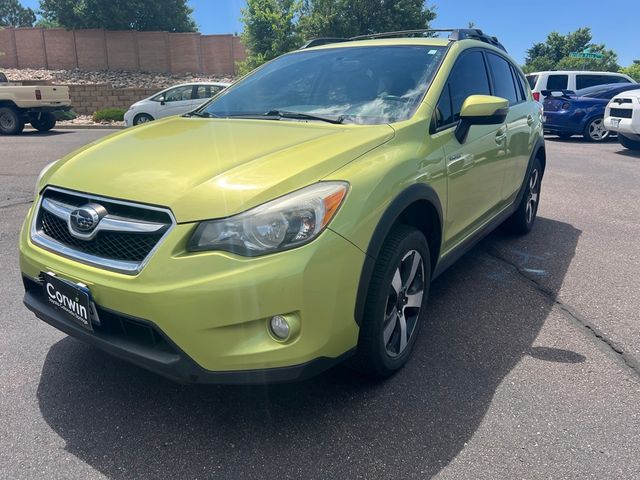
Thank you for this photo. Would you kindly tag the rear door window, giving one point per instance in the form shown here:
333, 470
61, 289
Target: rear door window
558, 82
503, 82
532, 79
591, 80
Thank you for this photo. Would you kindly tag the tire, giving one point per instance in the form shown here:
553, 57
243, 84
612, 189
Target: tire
522, 220
142, 118
43, 122
595, 131
628, 142
11, 122
386, 339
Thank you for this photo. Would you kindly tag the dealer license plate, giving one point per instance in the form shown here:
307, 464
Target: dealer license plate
72, 300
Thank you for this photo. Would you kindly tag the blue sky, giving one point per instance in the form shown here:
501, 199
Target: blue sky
517, 23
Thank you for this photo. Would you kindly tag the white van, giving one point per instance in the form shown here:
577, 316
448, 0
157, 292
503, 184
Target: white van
571, 80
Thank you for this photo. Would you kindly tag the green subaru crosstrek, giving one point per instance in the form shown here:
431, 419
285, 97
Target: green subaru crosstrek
295, 220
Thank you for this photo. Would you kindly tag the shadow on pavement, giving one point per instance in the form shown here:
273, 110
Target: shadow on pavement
484, 318
50, 133
628, 153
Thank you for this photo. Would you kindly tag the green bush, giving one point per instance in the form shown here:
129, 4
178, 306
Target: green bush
65, 115
109, 115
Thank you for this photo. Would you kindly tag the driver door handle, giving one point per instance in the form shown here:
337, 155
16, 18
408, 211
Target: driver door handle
501, 135
529, 120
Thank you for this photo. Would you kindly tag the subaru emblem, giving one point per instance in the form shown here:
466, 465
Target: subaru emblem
84, 219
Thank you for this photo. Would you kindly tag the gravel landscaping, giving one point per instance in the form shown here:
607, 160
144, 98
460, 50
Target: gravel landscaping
116, 79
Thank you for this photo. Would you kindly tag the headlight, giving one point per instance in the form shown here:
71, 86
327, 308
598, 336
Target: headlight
283, 223
42, 173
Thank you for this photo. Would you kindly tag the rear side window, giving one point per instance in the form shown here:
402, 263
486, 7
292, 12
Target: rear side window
521, 84
558, 82
532, 79
591, 80
503, 81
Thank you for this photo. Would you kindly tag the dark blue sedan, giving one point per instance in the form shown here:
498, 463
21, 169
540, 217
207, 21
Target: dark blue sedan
568, 113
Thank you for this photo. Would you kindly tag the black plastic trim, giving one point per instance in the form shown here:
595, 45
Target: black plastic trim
176, 366
414, 193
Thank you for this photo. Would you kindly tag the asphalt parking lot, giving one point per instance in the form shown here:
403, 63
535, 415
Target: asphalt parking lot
529, 365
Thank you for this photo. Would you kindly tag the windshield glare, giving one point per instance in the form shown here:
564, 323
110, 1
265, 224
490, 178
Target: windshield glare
368, 85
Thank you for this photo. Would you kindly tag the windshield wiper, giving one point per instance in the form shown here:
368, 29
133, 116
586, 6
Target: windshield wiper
198, 114
303, 116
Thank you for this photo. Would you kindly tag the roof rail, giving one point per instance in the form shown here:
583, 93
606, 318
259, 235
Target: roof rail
316, 42
455, 34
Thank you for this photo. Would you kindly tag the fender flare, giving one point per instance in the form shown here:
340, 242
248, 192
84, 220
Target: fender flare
412, 194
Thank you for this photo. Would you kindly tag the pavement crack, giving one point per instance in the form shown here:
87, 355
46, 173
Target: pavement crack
9, 205
629, 360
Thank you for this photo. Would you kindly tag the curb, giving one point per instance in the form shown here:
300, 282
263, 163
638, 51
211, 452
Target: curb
82, 127
88, 127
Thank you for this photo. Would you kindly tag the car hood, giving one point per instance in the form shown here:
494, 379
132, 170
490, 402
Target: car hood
213, 168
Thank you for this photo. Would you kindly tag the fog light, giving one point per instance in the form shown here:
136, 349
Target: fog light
279, 327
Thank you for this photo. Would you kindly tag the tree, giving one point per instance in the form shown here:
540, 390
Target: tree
269, 30
13, 14
348, 18
142, 15
274, 27
632, 70
554, 53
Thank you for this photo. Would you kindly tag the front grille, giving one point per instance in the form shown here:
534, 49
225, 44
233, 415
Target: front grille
621, 112
131, 247
123, 237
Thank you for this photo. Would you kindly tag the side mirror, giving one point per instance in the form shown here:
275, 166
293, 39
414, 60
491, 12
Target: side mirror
481, 110
162, 100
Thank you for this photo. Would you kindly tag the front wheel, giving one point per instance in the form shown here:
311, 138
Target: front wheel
142, 118
395, 304
523, 218
11, 123
43, 122
595, 131
628, 142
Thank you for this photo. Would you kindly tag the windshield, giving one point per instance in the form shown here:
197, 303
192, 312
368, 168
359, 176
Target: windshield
368, 85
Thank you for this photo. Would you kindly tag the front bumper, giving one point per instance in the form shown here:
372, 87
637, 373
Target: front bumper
624, 125
157, 352
128, 118
213, 308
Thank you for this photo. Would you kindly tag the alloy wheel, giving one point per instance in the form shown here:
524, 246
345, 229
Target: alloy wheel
534, 192
597, 131
404, 302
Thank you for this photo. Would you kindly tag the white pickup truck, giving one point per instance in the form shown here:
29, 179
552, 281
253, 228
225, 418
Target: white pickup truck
30, 104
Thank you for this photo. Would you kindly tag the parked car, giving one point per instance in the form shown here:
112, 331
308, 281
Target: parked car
295, 220
35, 105
172, 101
571, 80
581, 113
622, 116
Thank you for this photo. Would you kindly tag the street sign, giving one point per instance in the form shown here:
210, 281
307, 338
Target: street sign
586, 53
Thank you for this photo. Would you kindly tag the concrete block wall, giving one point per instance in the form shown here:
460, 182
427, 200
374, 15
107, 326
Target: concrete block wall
8, 54
97, 49
87, 99
60, 49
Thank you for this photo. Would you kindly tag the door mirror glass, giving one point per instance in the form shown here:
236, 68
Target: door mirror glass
481, 110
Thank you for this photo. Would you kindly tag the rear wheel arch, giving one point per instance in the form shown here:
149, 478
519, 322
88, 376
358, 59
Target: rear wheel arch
417, 206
